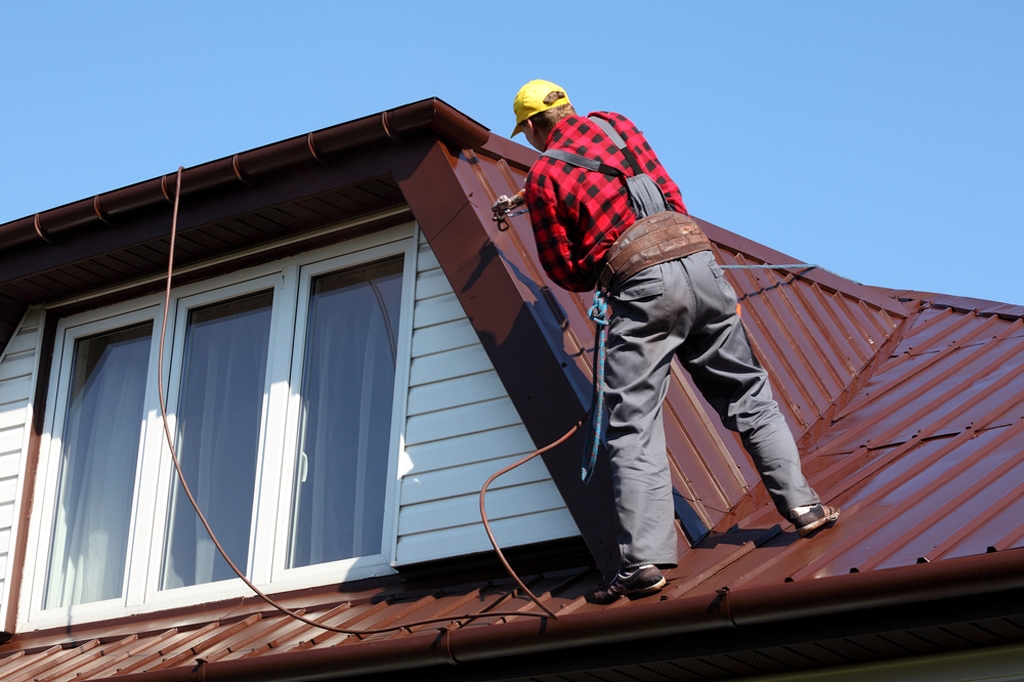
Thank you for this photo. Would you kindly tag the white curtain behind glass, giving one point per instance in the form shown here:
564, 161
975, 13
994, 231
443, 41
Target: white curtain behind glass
98, 463
347, 395
218, 423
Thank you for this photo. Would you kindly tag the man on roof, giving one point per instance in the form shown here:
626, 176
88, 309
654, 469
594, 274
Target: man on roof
606, 214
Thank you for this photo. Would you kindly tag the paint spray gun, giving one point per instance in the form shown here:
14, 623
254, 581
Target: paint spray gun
503, 208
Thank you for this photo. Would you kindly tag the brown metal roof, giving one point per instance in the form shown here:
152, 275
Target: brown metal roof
909, 413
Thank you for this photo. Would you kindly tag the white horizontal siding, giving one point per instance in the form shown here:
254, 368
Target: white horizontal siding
437, 310
461, 427
8, 489
469, 448
431, 283
449, 393
13, 414
449, 336
9, 465
18, 368
449, 364
458, 421
11, 439
426, 261
464, 480
17, 365
502, 503
508, 532
14, 392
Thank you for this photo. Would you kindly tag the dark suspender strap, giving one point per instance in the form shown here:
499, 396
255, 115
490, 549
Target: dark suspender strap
583, 162
614, 136
645, 197
594, 164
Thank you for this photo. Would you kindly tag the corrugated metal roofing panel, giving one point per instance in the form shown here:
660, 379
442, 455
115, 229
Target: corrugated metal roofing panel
956, 380
812, 340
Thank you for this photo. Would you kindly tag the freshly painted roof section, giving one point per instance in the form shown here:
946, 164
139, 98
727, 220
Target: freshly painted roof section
908, 410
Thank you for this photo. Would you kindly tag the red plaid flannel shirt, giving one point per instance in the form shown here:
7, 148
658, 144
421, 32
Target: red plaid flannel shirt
577, 214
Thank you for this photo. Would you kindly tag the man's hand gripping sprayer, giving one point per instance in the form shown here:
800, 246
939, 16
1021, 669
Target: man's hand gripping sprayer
503, 208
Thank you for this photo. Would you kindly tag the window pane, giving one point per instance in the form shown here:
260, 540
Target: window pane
348, 382
100, 450
218, 426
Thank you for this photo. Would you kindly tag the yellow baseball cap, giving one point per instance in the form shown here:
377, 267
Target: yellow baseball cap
530, 100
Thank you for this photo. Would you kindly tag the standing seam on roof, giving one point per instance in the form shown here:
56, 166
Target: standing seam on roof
906, 477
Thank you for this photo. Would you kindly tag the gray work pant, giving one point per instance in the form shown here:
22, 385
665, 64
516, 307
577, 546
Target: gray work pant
684, 308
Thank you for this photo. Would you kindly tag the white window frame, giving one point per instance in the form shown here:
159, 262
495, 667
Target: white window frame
69, 330
290, 280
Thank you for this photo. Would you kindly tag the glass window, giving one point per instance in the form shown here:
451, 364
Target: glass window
347, 395
97, 467
218, 425
280, 385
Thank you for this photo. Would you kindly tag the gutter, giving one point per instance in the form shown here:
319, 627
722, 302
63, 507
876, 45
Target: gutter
321, 146
920, 584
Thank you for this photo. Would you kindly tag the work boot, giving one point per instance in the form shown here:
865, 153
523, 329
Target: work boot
641, 581
809, 519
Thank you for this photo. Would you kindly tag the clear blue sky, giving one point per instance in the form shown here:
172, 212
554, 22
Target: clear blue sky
882, 140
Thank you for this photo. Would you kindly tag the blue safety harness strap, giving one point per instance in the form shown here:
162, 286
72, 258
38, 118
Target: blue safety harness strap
599, 315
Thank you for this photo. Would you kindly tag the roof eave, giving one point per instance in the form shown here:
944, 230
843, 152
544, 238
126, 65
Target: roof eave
393, 125
897, 589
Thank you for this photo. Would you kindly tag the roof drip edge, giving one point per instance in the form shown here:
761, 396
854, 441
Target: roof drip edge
970, 576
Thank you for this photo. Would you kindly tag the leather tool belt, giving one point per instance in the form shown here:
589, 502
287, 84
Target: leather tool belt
655, 239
